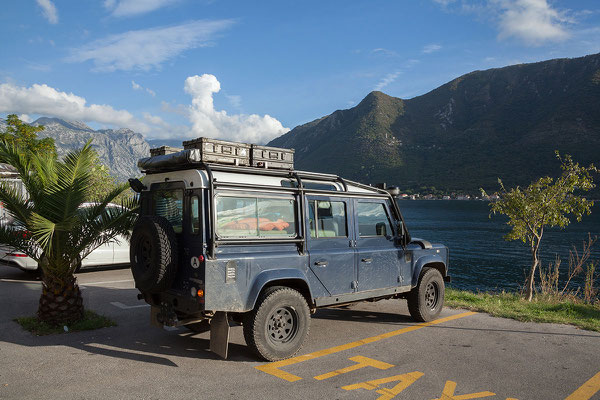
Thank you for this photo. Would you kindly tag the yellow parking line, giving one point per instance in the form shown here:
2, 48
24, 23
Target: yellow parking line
587, 390
273, 368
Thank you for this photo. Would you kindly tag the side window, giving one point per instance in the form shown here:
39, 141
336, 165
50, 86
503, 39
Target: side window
240, 217
327, 219
194, 215
373, 219
169, 204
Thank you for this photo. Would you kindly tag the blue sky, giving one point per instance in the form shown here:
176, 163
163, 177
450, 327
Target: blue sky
251, 70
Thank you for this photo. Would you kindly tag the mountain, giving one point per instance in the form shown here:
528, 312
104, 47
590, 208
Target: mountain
118, 149
503, 122
154, 143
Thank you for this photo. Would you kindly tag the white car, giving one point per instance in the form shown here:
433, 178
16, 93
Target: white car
114, 252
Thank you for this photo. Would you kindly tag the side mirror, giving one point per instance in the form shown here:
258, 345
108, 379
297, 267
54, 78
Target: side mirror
380, 229
400, 233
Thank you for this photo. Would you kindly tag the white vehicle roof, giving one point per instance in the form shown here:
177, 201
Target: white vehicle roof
198, 178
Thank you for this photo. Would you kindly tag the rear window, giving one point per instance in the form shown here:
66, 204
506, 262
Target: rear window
169, 204
255, 217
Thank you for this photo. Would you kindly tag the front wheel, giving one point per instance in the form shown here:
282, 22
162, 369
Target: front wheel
425, 302
278, 325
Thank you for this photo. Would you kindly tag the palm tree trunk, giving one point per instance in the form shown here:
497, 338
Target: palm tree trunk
61, 301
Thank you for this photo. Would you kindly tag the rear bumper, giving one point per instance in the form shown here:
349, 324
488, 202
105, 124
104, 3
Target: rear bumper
23, 266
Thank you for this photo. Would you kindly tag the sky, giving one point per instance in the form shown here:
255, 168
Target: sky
252, 70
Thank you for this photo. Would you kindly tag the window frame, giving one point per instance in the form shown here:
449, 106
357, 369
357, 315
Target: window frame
383, 203
316, 212
164, 186
258, 196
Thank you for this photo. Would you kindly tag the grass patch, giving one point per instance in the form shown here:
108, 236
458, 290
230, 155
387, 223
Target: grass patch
511, 305
90, 321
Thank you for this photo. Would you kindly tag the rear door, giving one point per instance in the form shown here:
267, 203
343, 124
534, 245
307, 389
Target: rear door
329, 241
380, 259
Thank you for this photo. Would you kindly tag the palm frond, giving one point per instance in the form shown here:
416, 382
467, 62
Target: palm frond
98, 208
17, 206
19, 239
12, 154
112, 222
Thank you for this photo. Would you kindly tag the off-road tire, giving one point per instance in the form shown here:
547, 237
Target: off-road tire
153, 254
425, 302
278, 325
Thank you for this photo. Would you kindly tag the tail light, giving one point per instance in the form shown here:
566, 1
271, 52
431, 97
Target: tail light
16, 255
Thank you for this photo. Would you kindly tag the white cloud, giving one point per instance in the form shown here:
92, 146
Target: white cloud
533, 21
206, 121
41, 99
431, 48
389, 78
148, 48
25, 118
136, 86
385, 52
49, 10
45, 100
128, 8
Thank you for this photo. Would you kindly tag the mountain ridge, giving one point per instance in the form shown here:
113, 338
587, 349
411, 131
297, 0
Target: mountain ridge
502, 122
118, 149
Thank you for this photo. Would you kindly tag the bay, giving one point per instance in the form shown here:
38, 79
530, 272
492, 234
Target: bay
480, 258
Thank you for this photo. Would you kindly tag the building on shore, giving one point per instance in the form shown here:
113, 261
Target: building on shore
9, 178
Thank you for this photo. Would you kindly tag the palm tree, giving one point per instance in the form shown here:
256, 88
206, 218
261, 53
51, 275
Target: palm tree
53, 228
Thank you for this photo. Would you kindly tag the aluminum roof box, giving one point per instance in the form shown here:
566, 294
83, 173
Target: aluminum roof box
220, 151
272, 157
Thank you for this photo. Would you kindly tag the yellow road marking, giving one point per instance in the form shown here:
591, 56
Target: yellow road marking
587, 390
386, 394
361, 362
273, 368
450, 387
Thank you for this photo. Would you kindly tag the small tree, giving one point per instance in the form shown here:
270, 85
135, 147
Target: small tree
24, 136
544, 203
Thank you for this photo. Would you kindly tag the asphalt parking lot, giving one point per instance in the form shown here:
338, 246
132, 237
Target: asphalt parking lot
368, 351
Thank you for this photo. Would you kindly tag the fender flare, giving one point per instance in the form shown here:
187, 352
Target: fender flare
286, 276
427, 260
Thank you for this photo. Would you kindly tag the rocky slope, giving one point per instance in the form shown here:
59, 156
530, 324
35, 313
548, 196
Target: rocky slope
503, 122
118, 149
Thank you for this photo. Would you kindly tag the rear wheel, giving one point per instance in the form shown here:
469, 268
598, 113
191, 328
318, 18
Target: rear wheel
278, 325
425, 302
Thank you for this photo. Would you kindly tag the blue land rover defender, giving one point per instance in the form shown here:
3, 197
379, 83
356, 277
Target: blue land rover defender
230, 234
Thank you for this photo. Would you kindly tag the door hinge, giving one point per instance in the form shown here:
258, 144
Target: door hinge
354, 285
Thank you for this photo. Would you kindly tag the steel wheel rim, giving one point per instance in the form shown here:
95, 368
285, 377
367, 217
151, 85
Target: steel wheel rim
432, 295
145, 253
282, 325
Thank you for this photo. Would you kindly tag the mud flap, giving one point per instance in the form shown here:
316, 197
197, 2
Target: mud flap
219, 334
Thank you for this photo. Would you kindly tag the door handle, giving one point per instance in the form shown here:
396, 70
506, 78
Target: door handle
366, 260
321, 263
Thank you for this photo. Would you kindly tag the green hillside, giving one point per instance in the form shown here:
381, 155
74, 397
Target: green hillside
503, 122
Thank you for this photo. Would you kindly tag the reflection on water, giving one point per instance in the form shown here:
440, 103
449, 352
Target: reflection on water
479, 256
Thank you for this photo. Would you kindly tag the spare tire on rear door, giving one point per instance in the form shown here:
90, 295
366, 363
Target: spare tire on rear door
153, 253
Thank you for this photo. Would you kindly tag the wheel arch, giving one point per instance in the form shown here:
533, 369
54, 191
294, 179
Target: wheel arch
433, 261
291, 278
